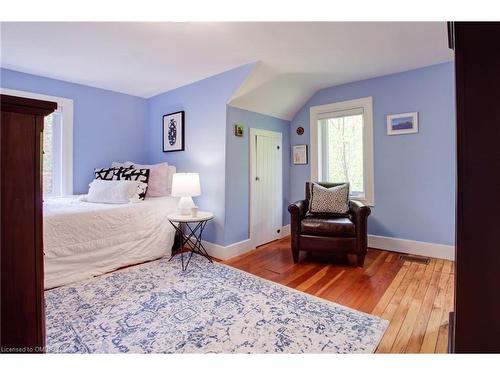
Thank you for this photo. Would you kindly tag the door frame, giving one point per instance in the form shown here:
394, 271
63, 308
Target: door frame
253, 133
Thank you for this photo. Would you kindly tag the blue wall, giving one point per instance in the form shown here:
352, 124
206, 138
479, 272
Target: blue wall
414, 174
238, 170
107, 125
205, 138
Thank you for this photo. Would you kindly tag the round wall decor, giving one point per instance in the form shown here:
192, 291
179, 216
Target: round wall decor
300, 130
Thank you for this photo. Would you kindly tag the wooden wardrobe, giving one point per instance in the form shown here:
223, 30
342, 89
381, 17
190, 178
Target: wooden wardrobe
21, 250
475, 323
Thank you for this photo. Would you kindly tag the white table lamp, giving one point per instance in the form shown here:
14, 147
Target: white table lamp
185, 186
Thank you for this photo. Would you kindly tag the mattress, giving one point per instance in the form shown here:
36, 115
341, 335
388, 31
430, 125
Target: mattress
83, 239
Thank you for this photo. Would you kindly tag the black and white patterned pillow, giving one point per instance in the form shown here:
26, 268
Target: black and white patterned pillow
133, 174
334, 200
108, 173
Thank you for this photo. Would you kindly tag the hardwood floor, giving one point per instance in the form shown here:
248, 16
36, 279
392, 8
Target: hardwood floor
415, 298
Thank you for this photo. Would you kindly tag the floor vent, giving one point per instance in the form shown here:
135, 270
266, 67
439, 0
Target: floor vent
415, 258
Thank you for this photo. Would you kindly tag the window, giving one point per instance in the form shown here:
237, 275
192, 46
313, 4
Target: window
342, 146
52, 162
57, 173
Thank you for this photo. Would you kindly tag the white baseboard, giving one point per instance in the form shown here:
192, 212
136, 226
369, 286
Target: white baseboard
237, 248
229, 251
400, 245
285, 231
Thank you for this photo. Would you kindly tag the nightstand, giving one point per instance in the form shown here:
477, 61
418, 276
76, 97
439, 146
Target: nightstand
190, 230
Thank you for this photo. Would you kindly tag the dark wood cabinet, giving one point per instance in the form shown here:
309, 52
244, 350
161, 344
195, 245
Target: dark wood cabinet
21, 249
475, 326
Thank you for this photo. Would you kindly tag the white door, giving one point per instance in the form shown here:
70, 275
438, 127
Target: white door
266, 197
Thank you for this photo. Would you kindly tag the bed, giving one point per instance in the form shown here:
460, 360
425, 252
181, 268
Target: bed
83, 239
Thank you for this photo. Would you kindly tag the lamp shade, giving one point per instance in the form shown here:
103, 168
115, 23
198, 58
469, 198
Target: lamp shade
186, 185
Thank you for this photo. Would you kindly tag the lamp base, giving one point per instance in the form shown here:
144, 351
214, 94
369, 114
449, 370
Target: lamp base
185, 205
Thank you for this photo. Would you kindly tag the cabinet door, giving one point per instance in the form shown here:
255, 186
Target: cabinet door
21, 246
477, 302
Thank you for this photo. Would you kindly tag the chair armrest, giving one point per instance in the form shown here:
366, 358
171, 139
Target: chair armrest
360, 212
297, 211
359, 209
299, 208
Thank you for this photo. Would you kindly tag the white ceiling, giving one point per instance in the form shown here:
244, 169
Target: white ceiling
295, 59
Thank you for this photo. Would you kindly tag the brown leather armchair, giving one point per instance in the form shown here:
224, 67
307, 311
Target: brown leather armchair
329, 233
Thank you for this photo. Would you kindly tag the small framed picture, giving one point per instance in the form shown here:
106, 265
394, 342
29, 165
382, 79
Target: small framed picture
238, 130
173, 132
299, 154
402, 123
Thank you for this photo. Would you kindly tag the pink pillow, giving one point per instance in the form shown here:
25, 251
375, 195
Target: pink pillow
160, 179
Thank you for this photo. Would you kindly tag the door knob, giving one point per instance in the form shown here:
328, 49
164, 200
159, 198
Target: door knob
257, 179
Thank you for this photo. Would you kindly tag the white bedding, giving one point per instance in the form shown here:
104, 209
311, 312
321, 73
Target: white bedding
83, 239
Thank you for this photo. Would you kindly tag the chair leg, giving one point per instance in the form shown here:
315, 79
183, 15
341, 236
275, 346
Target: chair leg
360, 259
295, 255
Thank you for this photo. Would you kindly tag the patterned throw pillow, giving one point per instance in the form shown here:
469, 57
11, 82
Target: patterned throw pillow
141, 175
334, 200
160, 178
107, 173
140, 193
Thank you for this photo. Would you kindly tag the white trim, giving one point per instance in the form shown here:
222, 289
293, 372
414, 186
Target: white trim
316, 113
225, 252
400, 245
268, 133
65, 106
253, 133
285, 231
237, 248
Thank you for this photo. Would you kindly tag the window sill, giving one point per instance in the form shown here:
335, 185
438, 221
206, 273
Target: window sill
362, 200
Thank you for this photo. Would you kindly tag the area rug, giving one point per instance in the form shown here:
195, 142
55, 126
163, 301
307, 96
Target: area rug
210, 308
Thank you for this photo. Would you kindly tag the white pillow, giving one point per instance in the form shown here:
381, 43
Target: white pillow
117, 164
160, 178
115, 191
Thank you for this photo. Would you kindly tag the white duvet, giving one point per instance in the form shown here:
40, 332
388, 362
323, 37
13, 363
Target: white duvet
83, 239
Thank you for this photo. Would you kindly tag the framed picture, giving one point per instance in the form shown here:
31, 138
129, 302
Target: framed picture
299, 154
402, 123
238, 130
173, 132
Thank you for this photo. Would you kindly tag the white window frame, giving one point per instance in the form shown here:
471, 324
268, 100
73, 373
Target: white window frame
65, 106
320, 111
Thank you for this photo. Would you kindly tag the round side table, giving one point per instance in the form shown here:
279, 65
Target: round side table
190, 230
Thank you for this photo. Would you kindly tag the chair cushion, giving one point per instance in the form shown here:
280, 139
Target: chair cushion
328, 226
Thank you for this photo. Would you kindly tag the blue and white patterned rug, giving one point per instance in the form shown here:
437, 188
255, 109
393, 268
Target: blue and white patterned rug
210, 308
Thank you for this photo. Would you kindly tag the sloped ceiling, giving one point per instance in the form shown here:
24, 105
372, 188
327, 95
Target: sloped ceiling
296, 59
